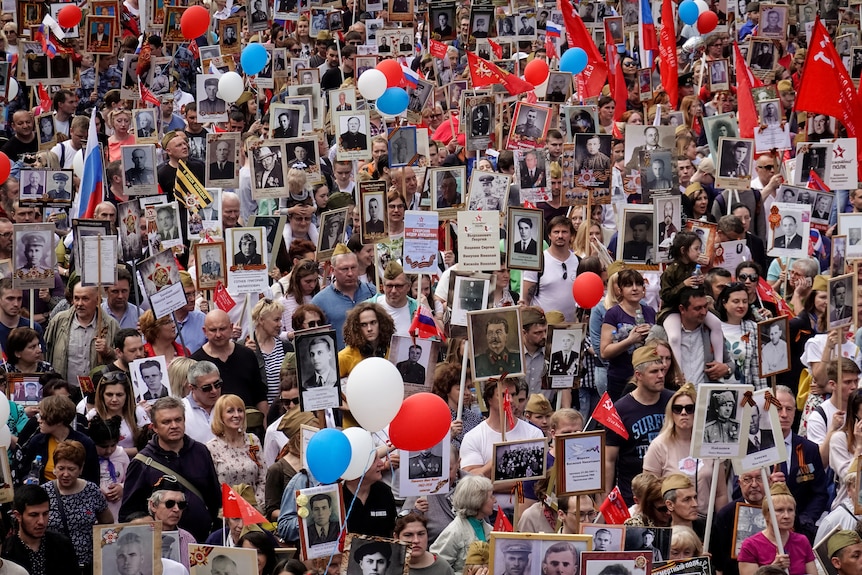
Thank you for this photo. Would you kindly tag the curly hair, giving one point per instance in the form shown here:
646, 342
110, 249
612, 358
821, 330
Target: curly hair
353, 332
150, 326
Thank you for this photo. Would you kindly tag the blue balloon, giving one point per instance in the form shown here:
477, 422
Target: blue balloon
574, 61
688, 12
393, 101
328, 455
253, 58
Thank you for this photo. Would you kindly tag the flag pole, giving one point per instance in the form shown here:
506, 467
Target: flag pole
711, 509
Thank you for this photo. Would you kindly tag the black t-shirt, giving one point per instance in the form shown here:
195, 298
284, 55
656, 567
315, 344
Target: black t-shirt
14, 148
240, 374
375, 517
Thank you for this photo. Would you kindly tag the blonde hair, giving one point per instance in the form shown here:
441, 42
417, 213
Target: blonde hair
684, 536
221, 406
581, 242
264, 307
610, 295
178, 375
777, 490
687, 390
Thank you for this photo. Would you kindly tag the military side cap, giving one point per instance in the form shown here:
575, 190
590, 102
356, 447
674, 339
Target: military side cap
616, 267
675, 481
292, 421
539, 405
785, 86
392, 271
341, 249
840, 540
555, 317
723, 397
478, 553
820, 283
645, 354
339, 200
752, 7
531, 315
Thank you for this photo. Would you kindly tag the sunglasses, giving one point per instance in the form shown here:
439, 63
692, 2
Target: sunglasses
113, 377
565, 271
210, 386
289, 402
679, 409
170, 503
748, 277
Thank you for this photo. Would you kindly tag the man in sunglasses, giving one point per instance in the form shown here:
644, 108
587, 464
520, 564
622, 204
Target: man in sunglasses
205, 382
167, 504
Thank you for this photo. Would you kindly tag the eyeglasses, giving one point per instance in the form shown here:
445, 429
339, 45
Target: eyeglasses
768, 167
661, 508
210, 386
680, 409
170, 503
314, 323
565, 271
395, 286
750, 480
287, 402
296, 50
628, 63
585, 516
6, 235
396, 206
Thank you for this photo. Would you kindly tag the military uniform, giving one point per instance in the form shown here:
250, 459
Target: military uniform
529, 131
208, 108
353, 141
411, 372
139, 177
721, 431
493, 364
425, 465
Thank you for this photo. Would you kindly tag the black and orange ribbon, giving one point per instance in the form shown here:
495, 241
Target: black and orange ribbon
747, 398
770, 400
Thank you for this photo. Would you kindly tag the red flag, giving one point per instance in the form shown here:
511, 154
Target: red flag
507, 409
592, 79
45, 101
485, 73
147, 97
619, 90
606, 414
437, 48
667, 50
551, 47
614, 508
502, 523
234, 506
496, 49
766, 293
222, 298
745, 81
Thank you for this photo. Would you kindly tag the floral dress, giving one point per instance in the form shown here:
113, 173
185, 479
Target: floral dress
235, 465
81, 513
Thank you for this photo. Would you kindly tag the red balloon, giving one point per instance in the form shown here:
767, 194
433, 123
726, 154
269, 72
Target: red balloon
195, 22
536, 72
69, 16
588, 289
5, 167
435, 418
393, 72
707, 22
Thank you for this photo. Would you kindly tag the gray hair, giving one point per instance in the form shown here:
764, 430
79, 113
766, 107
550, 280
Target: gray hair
470, 495
165, 403
807, 266
158, 496
201, 369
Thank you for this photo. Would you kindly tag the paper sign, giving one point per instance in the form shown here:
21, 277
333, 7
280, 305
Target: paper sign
425, 472
479, 240
420, 241
100, 260
844, 165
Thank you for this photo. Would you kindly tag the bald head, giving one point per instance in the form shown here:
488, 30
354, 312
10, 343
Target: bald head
218, 330
105, 211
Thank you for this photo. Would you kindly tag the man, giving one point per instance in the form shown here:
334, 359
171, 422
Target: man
172, 452
247, 254
344, 292
10, 311
820, 421
559, 269
195, 132
190, 321
680, 496
373, 558
33, 250
131, 557
565, 361
447, 191
642, 414
205, 388
487, 200
758, 439
60, 192
353, 139
321, 527
212, 105
532, 176
332, 234
602, 540
772, 27
722, 429
322, 358
151, 374
210, 267
145, 125
140, 174
269, 171
480, 27
736, 166
822, 207
425, 465
526, 28
374, 224
658, 178
559, 90
166, 224
99, 37
78, 337
300, 159
117, 304
702, 363
526, 245
34, 189
516, 556
343, 105
651, 138
229, 36
839, 311
286, 128
480, 122
497, 358
534, 333
128, 346
774, 353
222, 168
567, 512
241, 371
790, 239
443, 29
845, 552
639, 248
595, 160
804, 474
222, 564
35, 547
410, 369
529, 129
752, 492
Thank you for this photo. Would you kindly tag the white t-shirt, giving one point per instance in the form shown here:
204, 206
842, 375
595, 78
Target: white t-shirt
555, 292
817, 428
197, 422
400, 315
478, 445
814, 351
273, 441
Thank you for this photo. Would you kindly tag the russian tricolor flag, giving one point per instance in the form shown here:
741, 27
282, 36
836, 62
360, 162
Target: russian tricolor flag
553, 30
423, 325
646, 34
92, 191
411, 77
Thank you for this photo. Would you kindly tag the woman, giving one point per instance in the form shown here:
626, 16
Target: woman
178, 372
235, 452
673, 376
632, 117
606, 114
301, 36
24, 352
686, 146
289, 460
55, 415
692, 112
115, 397
586, 239
651, 509
625, 327
597, 318
810, 322
845, 445
749, 274
740, 331
669, 452
161, 335
266, 343
503, 296
121, 121
412, 529
696, 206
364, 257
320, 192
75, 504
760, 549
263, 544
113, 460
684, 543
447, 384
290, 567
396, 204
473, 502
368, 330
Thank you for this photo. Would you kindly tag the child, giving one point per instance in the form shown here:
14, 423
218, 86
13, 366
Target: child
685, 253
113, 460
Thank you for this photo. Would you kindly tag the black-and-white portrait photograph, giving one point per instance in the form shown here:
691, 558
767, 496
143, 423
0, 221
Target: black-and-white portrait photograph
417, 97
32, 186
488, 191
856, 62
812, 158
343, 100
229, 32
139, 169
130, 227
770, 113
415, 361
365, 555
531, 169
317, 368
59, 184
273, 229
285, 121
850, 225
764, 429
268, 174
644, 143
719, 417
719, 126
841, 301
301, 154
536, 553
480, 121
519, 460
748, 521
718, 75
559, 87
211, 108
209, 560
530, 125
168, 226
320, 529
761, 55
258, 15
564, 349
614, 29
773, 22
443, 23
773, 132
655, 539
127, 548
525, 239
145, 126
35, 260
222, 158
374, 221
467, 292
448, 188
722, 422
822, 207
792, 235
668, 214
150, 378
402, 146
735, 156
480, 22
774, 346
636, 242
605, 537
46, 131
579, 120
331, 233
247, 249
427, 464
352, 135
496, 346
592, 160
838, 261
210, 265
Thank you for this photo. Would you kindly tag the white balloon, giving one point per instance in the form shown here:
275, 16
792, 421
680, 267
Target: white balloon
362, 454
5, 436
230, 87
702, 6
374, 393
78, 164
4, 409
371, 84
13, 89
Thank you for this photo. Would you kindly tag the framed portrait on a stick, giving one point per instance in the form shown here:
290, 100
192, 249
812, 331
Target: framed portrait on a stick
320, 528
580, 462
525, 459
210, 559
119, 543
211, 265
35, 260
525, 251
850, 225
317, 370
841, 302
773, 344
535, 549
605, 537
496, 344
415, 360
632, 562
747, 521
764, 443
792, 235
719, 414
387, 556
